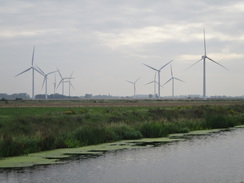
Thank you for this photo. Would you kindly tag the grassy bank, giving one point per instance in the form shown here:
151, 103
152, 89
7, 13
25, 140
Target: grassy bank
27, 130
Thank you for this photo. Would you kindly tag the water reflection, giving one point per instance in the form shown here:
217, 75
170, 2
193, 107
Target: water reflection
204, 159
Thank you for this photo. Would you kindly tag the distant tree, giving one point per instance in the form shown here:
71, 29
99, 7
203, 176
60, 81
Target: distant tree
20, 95
87, 96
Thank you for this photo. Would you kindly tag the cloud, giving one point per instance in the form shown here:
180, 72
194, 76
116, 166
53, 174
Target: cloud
112, 35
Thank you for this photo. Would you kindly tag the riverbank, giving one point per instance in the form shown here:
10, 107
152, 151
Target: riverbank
26, 130
61, 156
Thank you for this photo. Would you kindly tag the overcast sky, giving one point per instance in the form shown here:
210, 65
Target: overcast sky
105, 43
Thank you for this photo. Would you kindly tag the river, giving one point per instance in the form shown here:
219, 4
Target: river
216, 158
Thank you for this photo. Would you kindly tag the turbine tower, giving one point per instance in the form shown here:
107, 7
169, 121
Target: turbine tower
45, 79
134, 83
33, 70
70, 84
159, 70
204, 57
172, 79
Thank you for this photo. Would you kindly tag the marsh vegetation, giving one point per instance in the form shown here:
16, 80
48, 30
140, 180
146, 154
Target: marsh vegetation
26, 130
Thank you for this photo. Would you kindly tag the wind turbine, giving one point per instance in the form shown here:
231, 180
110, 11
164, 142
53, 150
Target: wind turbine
45, 79
69, 82
172, 79
54, 85
61, 81
33, 69
134, 83
154, 82
204, 57
159, 70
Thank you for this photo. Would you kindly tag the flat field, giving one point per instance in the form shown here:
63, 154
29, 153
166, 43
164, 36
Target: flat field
115, 103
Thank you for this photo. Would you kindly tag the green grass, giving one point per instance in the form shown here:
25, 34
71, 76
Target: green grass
28, 130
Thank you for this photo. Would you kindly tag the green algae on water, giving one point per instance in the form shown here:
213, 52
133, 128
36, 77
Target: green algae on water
60, 155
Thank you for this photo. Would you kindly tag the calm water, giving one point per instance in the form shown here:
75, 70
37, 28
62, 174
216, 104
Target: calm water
218, 158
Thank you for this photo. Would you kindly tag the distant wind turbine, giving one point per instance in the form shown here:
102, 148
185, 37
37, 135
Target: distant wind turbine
33, 69
159, 70
45, 79
155, 83
61, 81
204, 57
54, 85
172, 79
69, 82
134, 83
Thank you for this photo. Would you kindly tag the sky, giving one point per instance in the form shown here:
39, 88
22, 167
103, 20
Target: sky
105, 44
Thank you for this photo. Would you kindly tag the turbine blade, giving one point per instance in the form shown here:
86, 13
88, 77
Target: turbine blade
51, 73
71, 85
37, 70
44, 79
171, 70
217, 63
40, 70
59, 73
23, 71
150, 67
165, 65
149, 82
167, 81
59, 83
71, 75
137, 79
179, 79
33, 53
130, 82
205, 51
194, 64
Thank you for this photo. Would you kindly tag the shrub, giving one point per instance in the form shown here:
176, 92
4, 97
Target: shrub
89, 135
176, 127
29, 145
9, 147
219, 121
152, 130
124, 132
46, 142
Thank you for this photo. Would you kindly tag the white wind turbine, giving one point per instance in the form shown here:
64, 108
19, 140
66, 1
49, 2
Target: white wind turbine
69, 82
172, 79
45, 79
134, 83
155, 83
204, 57
61, 81
159, 70
54, 85
33, 70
